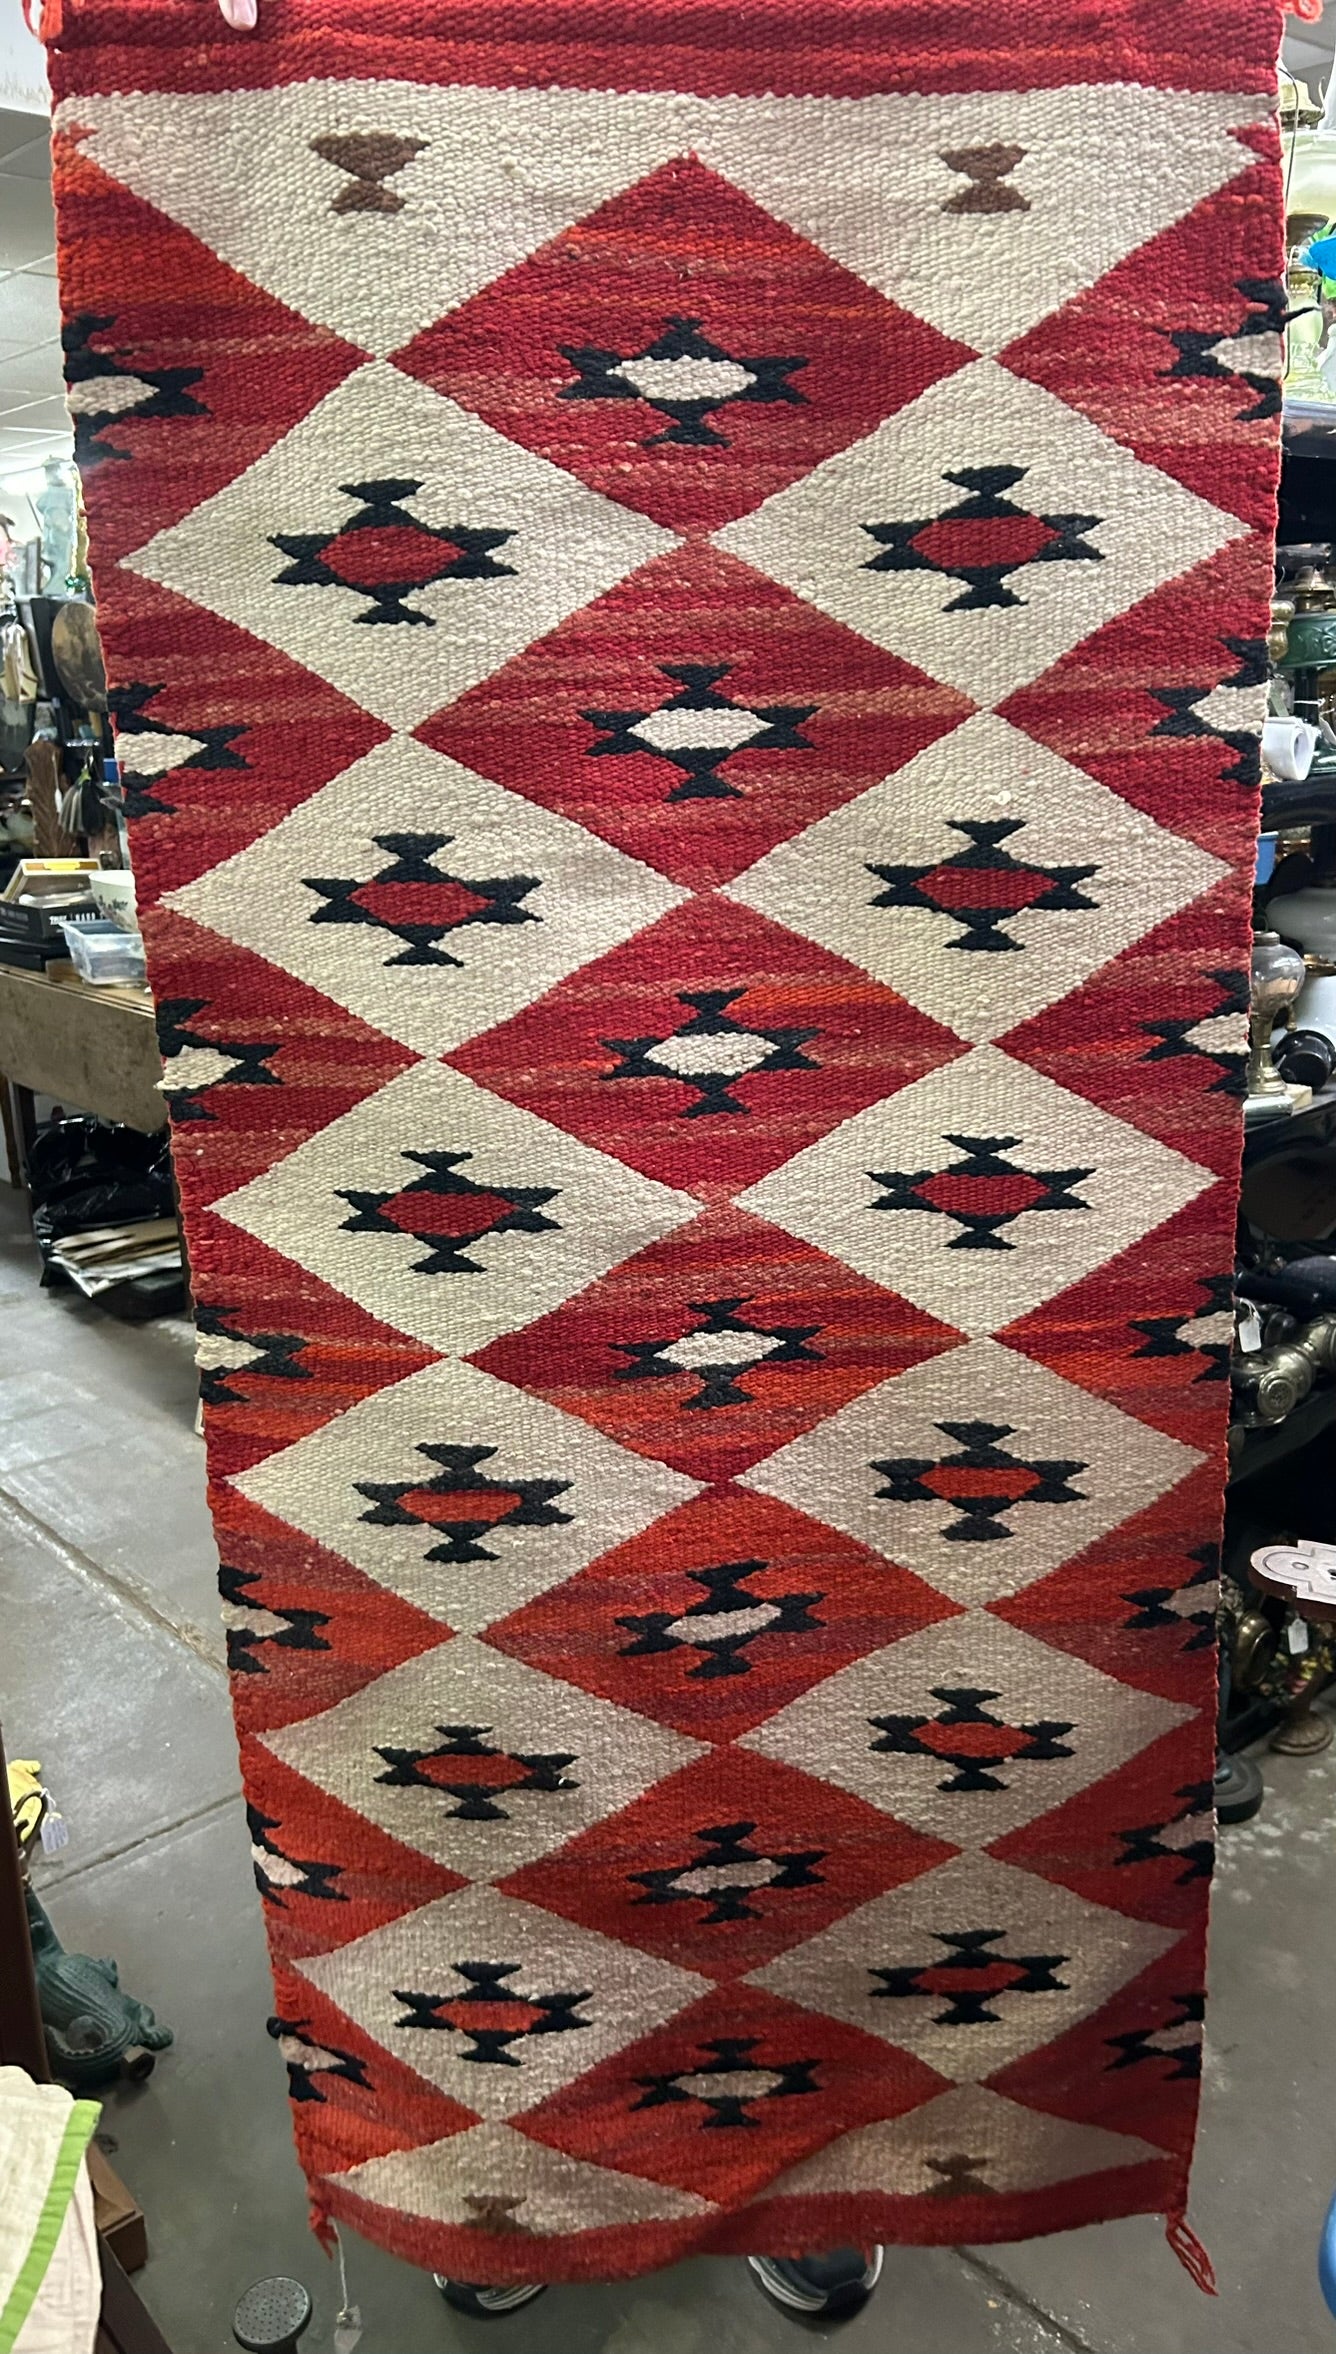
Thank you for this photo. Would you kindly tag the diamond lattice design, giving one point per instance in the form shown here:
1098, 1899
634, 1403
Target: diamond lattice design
686, 668
711, 1348
877, 536
696, 715
689, 400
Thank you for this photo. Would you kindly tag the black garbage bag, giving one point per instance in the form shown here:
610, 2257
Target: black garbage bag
84, 1172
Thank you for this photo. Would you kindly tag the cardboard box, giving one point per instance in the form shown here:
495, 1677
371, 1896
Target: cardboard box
119, 2221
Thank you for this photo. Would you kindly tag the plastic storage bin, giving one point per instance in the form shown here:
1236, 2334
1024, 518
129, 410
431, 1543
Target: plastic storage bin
103, 954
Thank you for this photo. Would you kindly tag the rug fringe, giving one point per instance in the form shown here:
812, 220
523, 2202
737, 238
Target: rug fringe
1191, 2254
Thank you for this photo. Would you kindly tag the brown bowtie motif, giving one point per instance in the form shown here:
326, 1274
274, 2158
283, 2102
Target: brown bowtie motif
494, 2213
369, 158
987, 170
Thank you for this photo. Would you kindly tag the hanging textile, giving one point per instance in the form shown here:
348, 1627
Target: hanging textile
685, 586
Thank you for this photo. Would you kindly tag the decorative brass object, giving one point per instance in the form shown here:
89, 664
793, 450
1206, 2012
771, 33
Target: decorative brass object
1269, 1383
1277, 978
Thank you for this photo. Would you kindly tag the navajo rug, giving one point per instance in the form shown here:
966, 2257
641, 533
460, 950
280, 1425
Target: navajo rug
686, 585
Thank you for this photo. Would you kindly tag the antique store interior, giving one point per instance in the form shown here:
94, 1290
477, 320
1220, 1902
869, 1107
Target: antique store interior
130, 1821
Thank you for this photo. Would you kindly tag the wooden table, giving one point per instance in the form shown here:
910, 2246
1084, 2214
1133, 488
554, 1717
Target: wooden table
91, 1050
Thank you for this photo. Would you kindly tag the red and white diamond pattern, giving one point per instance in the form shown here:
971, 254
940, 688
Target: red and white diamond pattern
678, 520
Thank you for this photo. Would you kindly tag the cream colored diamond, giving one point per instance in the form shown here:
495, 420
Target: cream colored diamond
1143, 528
967, 1730
495, 2178
427, 1272
592, 1994
482, 1763
542, 1492
966, 2140
985, 781
911, 1469
572, 896
865, 1192
1007, 1962
564, 544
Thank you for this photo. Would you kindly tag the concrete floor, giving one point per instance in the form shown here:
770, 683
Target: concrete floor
112, 1676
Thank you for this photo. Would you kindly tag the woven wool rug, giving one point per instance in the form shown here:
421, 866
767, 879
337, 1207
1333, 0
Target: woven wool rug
686, 586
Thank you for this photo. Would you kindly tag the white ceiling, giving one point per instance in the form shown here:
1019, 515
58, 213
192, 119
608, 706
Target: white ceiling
33, 421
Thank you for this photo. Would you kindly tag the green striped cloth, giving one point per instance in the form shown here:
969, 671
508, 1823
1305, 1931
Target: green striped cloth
44, 2132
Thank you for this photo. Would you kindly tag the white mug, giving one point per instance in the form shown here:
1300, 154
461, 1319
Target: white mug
1288, 746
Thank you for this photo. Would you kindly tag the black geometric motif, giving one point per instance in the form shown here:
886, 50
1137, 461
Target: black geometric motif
307, 2061
251, 1623
982, 1483
1177, 1336
723, 1623
1192, 1034
970, 1977
383, 553
449, 1212
982, 539
727, 1873
140, 787
420, 903
1185, 1837
462, 1503
729, 2081
1182, 718
1179, 2040
102, 392
980, 887
685, 376
710, 1052
466, 1768
273, 1356
966, 1737
983, 1192
698, 730
490, 2015
243, 1063
718, 1351
1264, 319
1190, 1607
276, 1870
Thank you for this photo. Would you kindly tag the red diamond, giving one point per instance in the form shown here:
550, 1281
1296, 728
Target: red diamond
444, 904
1134, 2065
747, 1857
1154, 351
959, 543
393, 554
1140, 1602
982, 1196
717, 1345
730, 2093
682, 351
1138, 1841
717, 1616
709, 1048
1103, 707
542, 725
459, 1217
1151, 1329
1156, 1035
